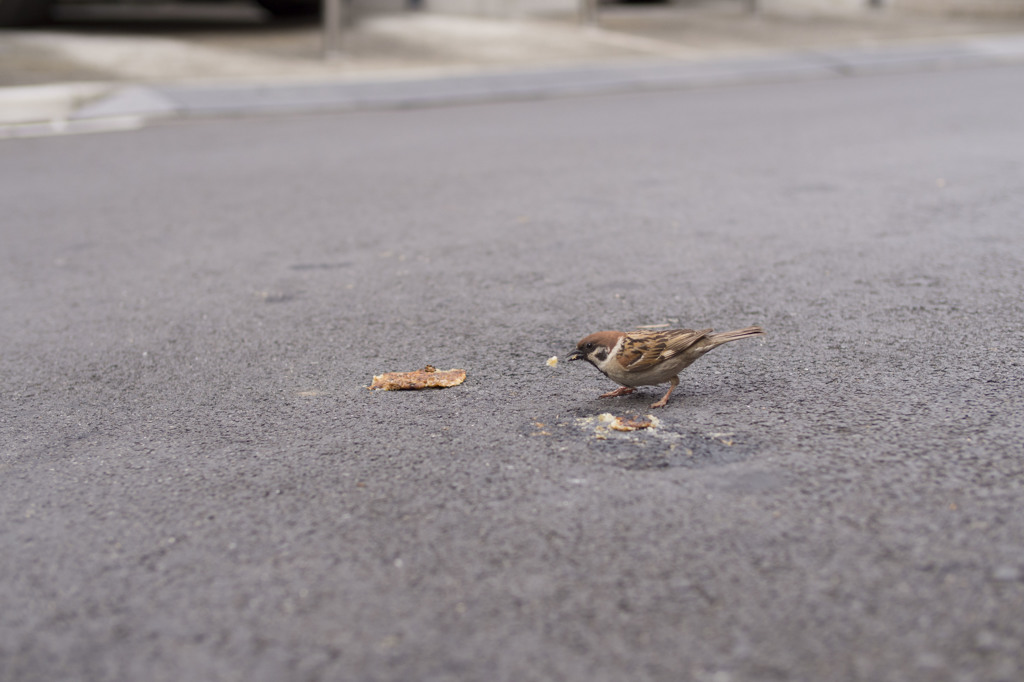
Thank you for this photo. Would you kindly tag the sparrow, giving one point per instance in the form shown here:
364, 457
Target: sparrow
646, 358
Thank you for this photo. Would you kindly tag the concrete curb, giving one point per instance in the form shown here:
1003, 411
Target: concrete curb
30, 103
98, 107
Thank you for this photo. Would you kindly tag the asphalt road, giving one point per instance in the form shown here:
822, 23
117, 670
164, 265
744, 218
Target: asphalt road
195, 483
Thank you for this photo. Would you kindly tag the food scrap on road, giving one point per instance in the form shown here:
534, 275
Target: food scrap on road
428, 377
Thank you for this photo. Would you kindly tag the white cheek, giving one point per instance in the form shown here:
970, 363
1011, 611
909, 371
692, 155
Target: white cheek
609, 359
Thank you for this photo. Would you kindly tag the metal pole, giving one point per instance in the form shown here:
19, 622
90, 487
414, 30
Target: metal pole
332, 11
588, 12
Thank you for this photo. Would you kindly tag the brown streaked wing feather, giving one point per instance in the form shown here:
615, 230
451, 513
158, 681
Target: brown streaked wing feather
681, 339
630, 352
642, 350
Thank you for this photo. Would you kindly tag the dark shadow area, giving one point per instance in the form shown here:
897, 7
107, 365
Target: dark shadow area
172, 18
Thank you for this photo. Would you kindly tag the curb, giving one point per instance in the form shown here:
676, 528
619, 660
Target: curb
103, 107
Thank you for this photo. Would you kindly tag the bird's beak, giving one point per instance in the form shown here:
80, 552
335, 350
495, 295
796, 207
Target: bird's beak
576, 355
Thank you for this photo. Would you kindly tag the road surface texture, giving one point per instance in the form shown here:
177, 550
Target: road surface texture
196, 483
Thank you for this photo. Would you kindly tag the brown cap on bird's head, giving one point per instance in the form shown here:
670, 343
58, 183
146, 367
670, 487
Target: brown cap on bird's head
606, 339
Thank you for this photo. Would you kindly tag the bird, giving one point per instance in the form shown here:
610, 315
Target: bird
647, 358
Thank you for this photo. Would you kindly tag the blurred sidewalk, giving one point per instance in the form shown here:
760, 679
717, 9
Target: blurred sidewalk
117, 61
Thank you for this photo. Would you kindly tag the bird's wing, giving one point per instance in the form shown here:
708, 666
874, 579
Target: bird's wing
642, 350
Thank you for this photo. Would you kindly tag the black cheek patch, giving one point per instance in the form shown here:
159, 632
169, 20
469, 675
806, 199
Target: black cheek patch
601, 355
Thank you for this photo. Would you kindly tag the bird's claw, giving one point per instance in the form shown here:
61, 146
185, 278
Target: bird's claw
625, 390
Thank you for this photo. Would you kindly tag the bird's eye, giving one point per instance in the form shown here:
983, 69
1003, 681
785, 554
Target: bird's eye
589, 346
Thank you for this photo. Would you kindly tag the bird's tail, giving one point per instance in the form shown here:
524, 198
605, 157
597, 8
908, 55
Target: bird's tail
726, 337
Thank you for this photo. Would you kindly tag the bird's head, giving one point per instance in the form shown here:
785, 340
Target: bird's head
596, 347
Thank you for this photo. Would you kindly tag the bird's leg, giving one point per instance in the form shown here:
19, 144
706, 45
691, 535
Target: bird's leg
624, 390
664, 399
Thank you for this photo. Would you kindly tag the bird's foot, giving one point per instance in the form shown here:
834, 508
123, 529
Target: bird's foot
624, 390
664, 399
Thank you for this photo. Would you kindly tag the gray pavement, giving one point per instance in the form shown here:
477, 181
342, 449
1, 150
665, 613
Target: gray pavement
196, 484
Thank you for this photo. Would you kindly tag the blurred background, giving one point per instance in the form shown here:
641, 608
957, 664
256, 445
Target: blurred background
47, 41
29, 12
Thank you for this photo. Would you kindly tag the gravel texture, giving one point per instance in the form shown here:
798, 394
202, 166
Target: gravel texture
196, 484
